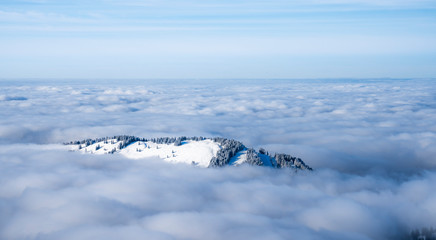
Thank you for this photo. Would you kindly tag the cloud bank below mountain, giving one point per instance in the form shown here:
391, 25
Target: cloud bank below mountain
370, 142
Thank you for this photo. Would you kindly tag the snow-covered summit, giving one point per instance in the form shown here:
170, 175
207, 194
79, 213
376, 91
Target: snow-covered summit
199, 151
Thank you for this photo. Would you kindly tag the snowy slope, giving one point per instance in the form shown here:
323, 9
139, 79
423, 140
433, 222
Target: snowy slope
239, 158
192, 152
202, 152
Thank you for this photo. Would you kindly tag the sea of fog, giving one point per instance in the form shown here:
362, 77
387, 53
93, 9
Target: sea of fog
371, 142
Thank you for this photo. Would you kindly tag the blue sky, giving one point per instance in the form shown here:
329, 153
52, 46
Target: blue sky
217, 39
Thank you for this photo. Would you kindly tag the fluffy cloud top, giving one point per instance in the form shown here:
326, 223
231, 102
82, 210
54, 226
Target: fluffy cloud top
352, 126
53, 194
369, 140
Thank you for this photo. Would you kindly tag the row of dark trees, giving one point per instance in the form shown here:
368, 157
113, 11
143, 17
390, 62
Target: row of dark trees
253, 157
281, 160
423, 234
127, 140
285, 160
229, 148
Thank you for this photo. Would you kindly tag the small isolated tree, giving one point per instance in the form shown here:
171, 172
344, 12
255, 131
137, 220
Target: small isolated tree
262, 151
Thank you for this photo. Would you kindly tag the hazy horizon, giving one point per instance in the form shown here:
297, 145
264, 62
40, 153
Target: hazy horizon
217, 39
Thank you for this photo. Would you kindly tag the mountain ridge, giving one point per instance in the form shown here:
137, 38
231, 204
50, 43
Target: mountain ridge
201, 151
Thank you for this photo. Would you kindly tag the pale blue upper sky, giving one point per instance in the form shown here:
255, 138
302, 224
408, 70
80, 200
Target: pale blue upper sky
217, 39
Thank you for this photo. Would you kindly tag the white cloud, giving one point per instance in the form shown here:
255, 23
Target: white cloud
368, 122
54, 194
370, 142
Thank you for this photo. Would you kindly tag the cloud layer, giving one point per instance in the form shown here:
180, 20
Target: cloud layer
370, 141
48, 193
356, 125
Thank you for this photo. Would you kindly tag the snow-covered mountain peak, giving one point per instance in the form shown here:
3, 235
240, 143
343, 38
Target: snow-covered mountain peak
199, 151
